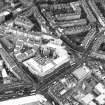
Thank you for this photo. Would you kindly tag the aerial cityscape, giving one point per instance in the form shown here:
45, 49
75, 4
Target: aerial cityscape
52, 52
